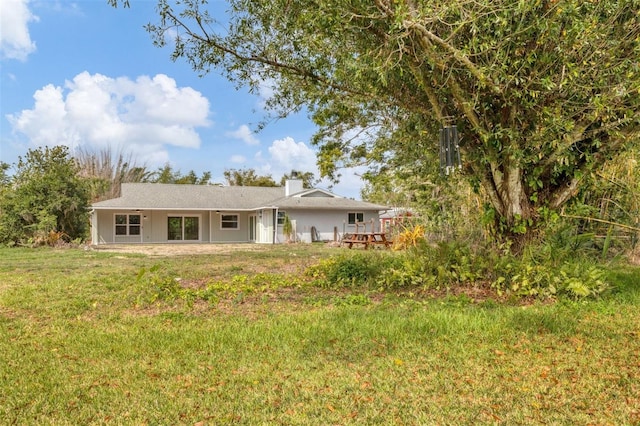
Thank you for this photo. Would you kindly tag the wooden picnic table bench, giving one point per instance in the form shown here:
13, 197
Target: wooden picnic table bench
367, 239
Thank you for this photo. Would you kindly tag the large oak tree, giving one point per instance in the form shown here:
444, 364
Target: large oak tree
542, 91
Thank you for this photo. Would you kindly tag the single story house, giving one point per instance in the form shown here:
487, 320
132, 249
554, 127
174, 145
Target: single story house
162, 213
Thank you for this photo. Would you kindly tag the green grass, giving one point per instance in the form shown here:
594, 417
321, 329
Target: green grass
82, 342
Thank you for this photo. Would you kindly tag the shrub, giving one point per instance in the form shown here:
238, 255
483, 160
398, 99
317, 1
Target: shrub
446, 265
351, 269
442, 265
45, 194
524, 277
287, 228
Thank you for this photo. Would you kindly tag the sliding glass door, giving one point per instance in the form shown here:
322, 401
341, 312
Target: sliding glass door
183, 228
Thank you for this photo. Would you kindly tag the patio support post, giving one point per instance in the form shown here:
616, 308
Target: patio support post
275, 224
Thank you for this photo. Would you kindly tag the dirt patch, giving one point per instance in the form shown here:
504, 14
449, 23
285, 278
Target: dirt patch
168, 250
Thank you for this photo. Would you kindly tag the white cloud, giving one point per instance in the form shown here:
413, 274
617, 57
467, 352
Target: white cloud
244, 134
170, 36
238, 159
287, 154
266, 91
143, 116
350, 182
15, 41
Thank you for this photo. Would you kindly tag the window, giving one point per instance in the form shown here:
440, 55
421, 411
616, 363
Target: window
127, 224
281, 216
229, 221
355, 218
183, 228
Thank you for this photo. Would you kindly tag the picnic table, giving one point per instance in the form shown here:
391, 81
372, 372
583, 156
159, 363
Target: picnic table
365, 238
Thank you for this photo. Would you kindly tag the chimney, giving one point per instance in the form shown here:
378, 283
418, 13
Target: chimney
292, 186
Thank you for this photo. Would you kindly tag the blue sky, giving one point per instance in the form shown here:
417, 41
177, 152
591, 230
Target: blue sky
83, 74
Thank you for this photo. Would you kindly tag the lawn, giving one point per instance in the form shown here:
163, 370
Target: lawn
92, 337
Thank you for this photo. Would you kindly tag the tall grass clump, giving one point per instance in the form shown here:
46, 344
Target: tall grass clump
604, 219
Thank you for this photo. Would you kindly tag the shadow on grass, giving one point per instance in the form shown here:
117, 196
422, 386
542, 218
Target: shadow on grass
551, 320
627, 283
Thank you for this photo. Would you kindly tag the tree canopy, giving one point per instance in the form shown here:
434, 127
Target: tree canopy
307, 178
543, 92
4, 176
247, 177
46, 194
167, 174
106, 171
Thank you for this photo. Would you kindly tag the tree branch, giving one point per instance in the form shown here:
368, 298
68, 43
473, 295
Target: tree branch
459, 56
428, 90
488, 183
558, 198
564, 194
570, 216
305, 73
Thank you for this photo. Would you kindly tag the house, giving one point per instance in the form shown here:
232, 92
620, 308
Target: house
161, 213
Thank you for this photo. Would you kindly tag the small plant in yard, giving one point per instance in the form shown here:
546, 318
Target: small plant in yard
351, 269
410, 236
162, 285
287, 228
352, 300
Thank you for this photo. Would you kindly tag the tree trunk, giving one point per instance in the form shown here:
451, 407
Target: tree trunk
516, 217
